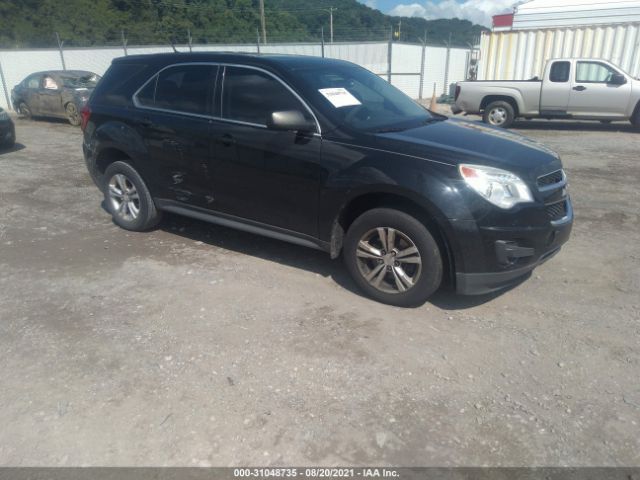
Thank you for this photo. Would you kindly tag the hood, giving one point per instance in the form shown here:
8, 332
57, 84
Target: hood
460, 141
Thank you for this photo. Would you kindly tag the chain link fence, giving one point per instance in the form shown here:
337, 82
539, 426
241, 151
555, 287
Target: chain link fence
419, 70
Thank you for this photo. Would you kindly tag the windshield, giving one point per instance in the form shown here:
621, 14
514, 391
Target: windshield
84, 81
354, 97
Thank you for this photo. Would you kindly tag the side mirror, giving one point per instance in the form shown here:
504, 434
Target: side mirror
617, 79
290, 120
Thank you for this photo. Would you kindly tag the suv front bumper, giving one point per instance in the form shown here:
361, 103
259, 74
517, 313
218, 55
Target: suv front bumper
515, 253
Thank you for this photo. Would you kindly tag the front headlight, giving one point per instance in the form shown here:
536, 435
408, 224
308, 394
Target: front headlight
500, 187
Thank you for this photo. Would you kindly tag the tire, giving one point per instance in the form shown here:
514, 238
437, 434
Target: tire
128, 200
421, 268
72, 114
25, 111
499, 114
9, 144
635, 120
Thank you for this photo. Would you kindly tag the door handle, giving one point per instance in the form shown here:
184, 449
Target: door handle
579, 88
227, 140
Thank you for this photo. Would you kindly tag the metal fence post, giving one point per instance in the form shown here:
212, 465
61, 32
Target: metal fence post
190, 39
322, 40
389, 57
4, 87
446, 68
422, 62
124, 42
258, 40
60, 44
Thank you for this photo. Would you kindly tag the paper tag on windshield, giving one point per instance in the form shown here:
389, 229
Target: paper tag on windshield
339, 97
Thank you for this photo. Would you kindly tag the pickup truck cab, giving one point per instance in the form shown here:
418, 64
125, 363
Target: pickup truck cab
571, 88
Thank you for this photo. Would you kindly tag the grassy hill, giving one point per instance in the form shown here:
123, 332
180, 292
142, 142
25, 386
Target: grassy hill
33, 23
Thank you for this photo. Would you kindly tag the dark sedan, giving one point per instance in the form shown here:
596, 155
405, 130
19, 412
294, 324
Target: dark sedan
7, 131
59, 94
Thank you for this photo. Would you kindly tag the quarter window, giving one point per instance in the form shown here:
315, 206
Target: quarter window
594, 72
252, 96
183, 88
560, 72
32, 82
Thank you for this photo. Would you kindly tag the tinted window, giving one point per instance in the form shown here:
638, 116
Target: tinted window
32, 82
119, 83
252, 96
560, 72
593, 72
185, 88
147, 95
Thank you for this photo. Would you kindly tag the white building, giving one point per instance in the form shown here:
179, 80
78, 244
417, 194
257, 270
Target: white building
538, 30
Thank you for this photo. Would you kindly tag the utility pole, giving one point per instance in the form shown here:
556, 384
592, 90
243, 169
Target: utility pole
399, 29
263, 23
331, 9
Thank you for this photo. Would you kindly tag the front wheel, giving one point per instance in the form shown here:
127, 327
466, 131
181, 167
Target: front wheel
635, 120
393, 257
499, 114
25, 111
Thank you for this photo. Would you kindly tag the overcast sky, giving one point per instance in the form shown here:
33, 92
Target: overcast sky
478, 11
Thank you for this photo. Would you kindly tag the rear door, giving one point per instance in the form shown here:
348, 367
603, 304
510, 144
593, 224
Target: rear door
556, 88
592, 94
50, 96
174, 118
264, 175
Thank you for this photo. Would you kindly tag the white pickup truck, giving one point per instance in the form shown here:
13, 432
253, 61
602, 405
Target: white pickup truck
572, 88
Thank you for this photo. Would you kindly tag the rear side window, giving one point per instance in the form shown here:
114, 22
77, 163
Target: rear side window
184, 88
32, 82
560, 72
119, 84
252, 96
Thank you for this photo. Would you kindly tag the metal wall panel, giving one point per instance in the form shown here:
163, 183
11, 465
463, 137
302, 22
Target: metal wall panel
406, 59
522, 54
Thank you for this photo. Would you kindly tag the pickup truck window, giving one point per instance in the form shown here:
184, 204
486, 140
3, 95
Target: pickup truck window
560, 72
594, 72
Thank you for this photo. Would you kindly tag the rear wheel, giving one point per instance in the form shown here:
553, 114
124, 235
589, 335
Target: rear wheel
72, 114
499, 114
24, 110
128, 199
393, 257
635, 120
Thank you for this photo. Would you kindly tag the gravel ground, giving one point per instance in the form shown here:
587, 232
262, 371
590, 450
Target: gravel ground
200, 345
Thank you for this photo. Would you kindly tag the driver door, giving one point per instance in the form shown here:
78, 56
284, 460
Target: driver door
592, 94
268, 176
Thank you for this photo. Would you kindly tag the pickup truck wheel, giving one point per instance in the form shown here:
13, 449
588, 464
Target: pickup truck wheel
128, 199
393, 258
499, 114
635, 120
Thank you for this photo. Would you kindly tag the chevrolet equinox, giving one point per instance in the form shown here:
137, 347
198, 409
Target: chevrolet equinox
325, 154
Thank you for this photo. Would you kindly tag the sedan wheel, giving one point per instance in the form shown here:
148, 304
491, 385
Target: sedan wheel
24, 110
72, 114
389, 260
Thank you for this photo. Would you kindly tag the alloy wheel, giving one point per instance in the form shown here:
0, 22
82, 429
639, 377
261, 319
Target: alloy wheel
124, 197
389, 260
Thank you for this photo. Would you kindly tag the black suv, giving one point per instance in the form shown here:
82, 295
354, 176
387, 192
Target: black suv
324, 153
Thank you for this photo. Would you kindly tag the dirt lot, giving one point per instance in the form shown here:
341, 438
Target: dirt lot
199, 345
